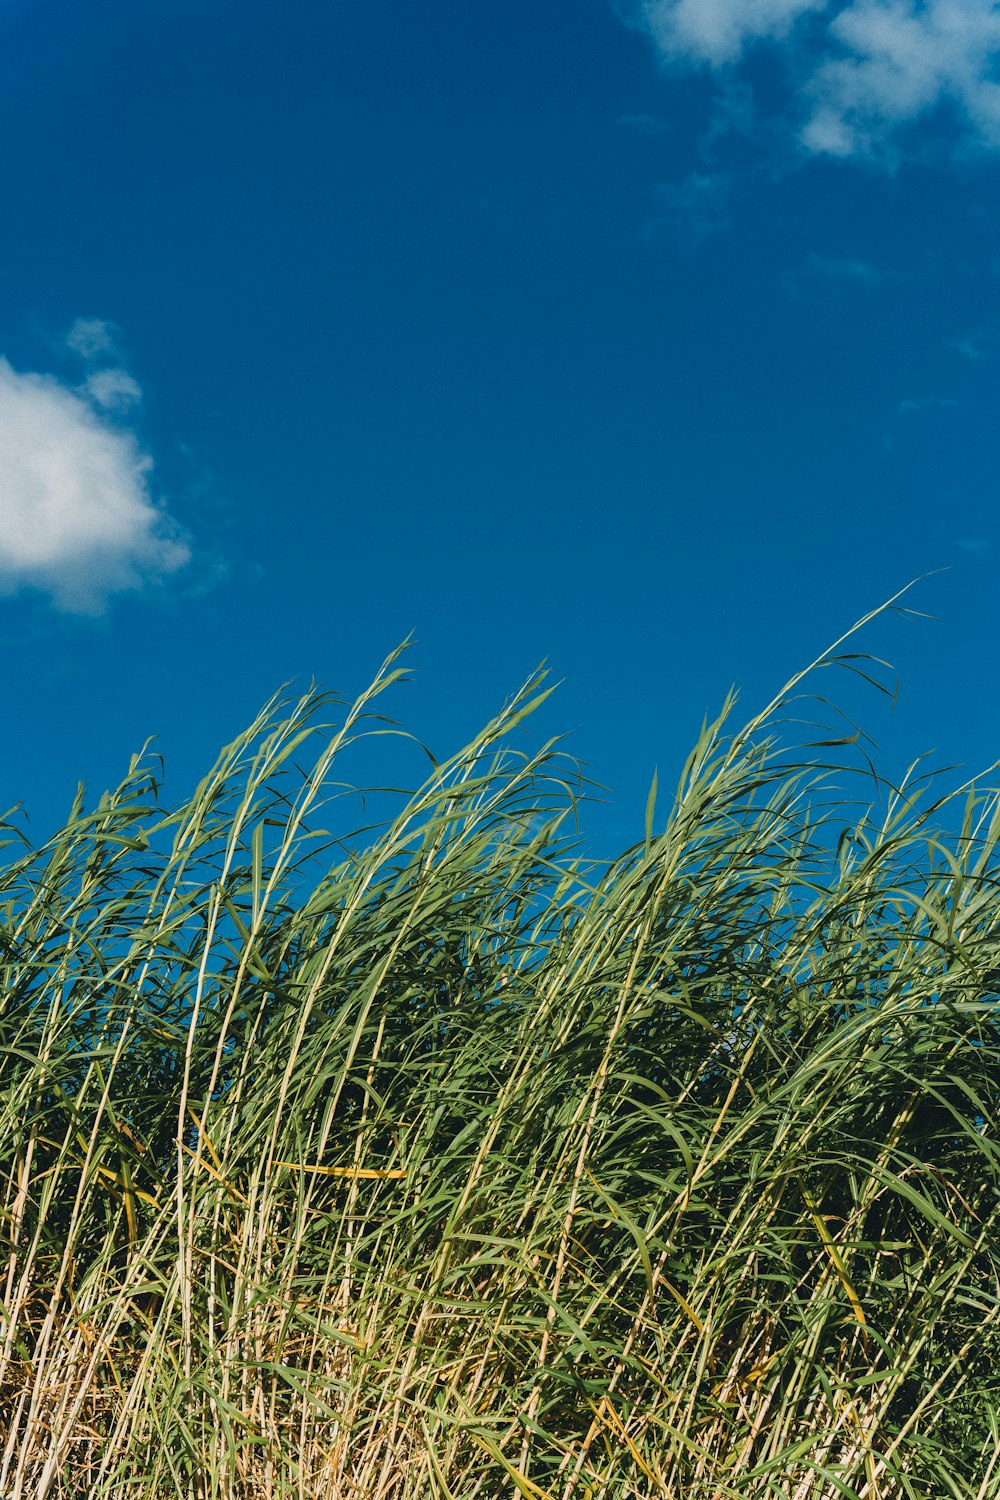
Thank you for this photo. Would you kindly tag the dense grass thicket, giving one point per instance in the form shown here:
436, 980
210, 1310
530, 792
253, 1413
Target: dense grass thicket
469, 1169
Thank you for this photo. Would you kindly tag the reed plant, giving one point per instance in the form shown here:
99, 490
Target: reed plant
443, 1162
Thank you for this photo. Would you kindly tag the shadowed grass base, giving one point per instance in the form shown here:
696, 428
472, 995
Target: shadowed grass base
469, 1170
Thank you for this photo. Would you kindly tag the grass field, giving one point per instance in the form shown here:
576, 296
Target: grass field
470, 1169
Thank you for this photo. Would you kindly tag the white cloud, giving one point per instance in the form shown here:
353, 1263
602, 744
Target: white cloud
77, 519
716, 31
857, 72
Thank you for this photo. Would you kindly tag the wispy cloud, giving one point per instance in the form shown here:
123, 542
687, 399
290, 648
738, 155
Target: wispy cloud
115, 390
640, 124
94, 338
78, 520
856, 74
927, 403
974, 346
842, 268
693, 208
975, 544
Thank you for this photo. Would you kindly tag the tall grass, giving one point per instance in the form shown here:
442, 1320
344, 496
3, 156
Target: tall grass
474, 1170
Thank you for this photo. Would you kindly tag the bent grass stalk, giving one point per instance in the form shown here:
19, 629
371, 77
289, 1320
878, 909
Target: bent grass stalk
468, 1168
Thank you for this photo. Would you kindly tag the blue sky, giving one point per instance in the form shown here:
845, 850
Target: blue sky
660, 341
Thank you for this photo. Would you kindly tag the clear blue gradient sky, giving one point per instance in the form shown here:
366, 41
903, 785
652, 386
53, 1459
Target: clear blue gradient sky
658, 341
